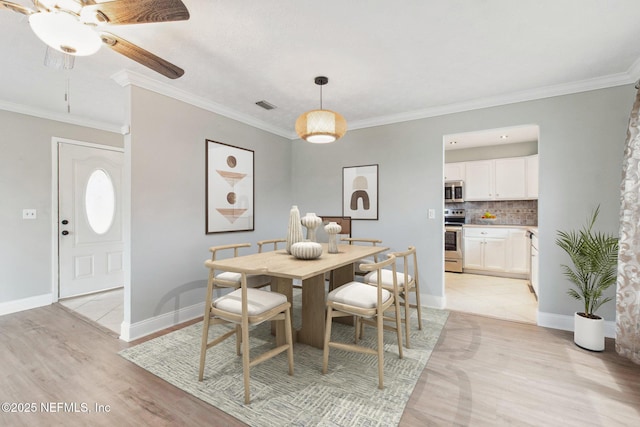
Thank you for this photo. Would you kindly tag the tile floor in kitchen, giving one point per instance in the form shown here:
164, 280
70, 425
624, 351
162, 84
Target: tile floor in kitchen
497, 297
104, 308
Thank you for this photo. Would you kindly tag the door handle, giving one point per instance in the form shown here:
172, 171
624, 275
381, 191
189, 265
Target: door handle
65, 232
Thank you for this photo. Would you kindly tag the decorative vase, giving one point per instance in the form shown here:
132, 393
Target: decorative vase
306, 250
311, 222
294, 230
588, 333
332, 229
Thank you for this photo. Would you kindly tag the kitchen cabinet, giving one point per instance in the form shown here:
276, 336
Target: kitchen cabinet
532, 177
518, 248
485, 248
454, 171
500, 250
514, 178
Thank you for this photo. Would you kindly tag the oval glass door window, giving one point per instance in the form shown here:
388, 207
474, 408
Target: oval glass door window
100, 201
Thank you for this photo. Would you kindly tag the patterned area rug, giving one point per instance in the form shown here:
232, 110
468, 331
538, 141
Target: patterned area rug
347, 395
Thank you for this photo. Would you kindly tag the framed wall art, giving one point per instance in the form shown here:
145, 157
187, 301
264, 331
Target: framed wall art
229, 189
360, 192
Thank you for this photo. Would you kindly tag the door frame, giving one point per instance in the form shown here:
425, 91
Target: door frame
55, 215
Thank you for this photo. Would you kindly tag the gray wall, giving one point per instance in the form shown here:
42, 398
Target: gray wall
580, 147
168, 240
25, 182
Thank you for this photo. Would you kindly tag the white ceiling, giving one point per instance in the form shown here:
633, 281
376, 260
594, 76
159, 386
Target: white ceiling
386, 61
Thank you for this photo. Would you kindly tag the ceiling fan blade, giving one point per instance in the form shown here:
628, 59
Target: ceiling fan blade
15, 7
141, 56
135, 12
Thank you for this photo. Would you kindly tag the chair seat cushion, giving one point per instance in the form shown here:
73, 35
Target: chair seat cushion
387, 278
258, 301
253, 280
358, 294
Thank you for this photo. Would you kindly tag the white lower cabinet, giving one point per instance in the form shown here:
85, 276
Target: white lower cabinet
485, 248
497, 249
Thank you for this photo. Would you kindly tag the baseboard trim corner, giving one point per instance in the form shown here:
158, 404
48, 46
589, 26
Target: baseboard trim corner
565, 323
133, 331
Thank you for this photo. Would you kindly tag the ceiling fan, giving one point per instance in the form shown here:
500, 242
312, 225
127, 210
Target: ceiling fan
73, 26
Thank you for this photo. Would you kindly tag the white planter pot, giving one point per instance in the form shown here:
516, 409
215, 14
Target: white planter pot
588, 333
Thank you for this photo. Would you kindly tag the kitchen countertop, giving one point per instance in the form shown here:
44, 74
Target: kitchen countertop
533, 228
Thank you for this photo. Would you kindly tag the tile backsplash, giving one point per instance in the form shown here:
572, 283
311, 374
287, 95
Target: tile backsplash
513, 212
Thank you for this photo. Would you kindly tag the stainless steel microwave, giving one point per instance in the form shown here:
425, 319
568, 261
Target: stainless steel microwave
453, 191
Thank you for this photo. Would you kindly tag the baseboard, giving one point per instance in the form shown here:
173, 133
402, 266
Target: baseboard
565, 323
133, 331
25, 304
433, 301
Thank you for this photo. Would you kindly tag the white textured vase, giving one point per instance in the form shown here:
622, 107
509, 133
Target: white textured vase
332, 229
588, 333
306, 250
311, 221
294, 230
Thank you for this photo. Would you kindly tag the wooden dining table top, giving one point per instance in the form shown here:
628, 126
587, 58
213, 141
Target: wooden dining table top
282, 264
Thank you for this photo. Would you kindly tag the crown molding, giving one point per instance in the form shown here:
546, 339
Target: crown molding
126, 78
510, 98
59, 117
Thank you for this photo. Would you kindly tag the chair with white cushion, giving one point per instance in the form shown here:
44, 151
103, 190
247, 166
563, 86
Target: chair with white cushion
367, 303
407, 281
244, 307
230, 279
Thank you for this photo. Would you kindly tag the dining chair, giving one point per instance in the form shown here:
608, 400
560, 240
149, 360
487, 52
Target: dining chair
229, 279
273, 242
368, 304
244, 307
371, 260
406, 282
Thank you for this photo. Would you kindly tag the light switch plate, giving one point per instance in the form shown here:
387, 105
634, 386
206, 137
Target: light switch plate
29, 214
432, 213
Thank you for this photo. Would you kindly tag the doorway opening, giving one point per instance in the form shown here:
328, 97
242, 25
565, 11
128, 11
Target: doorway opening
88, 238
498, 172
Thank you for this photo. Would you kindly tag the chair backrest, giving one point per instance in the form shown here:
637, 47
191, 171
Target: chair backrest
378, 267
216, 253
273, 242
236, 246
410, 263
356, 240
343, 221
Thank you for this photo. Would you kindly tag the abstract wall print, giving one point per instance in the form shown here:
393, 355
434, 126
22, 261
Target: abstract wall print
360, 192
229, 188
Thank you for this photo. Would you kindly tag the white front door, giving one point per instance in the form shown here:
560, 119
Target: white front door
90, 238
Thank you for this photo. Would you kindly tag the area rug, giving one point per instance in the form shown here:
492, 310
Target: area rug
347, 395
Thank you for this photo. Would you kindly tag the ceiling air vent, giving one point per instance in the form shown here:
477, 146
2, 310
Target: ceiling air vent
264, 104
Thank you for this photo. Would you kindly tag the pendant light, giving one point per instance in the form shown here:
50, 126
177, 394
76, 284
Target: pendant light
321, 126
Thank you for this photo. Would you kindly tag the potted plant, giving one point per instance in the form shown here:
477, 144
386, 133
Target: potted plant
594, 256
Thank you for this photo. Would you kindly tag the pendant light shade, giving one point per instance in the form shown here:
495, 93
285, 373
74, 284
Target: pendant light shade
321, 126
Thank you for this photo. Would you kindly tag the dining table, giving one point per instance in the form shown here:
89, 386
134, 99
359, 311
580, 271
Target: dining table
284, 268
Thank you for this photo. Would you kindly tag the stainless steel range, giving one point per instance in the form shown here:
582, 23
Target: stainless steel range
453, 255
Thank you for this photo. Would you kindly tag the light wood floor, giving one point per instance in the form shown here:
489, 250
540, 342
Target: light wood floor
483, 372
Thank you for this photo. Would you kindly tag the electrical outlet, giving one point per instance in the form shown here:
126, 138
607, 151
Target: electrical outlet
29, 214
432, 213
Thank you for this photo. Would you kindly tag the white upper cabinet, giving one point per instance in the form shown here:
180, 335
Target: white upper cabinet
479, 183
501, 179
454, 171
532, 177
510, 178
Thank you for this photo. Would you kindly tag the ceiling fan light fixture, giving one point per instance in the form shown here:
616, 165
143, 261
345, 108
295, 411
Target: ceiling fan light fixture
321, 126
63, 32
